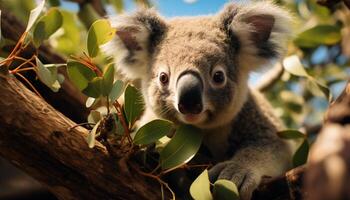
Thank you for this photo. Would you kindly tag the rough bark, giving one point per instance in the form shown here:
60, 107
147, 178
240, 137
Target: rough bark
328, 173
35, 137
68, 100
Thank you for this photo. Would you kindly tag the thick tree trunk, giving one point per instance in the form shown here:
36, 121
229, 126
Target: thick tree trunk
36, 138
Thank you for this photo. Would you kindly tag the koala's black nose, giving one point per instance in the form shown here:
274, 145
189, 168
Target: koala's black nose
189, 90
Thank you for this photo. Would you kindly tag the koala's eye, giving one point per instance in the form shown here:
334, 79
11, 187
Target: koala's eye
163, 78
219, 77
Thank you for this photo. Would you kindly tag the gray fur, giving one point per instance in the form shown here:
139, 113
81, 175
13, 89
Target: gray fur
239, 126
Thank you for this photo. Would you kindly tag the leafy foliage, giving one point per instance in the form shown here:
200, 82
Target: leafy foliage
314, 69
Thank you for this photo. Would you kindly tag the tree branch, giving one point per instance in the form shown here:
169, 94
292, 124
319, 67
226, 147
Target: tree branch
35, 137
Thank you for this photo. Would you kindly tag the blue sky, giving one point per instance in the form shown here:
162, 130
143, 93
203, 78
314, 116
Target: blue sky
171, 8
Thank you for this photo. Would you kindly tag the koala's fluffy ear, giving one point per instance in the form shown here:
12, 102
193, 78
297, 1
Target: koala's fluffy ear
261, 30
136, 37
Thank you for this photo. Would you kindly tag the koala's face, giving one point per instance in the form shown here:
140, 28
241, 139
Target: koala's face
195, 70
194, 75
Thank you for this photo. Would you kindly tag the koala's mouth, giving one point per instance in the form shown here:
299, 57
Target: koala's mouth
194, 119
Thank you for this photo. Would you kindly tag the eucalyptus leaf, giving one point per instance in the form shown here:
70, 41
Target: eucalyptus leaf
34, 15
117, 90
225, 190
133, 105
181, 148
47, 25
293, 65
89, 102
48, 76
108, 78
79, 74
99, 33
94, 116
152, 131
301, 155
200, 188
118, 5
291, 134
94, 87
92, 135
318, 35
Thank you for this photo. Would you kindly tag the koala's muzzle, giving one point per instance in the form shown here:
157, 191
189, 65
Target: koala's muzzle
189, 92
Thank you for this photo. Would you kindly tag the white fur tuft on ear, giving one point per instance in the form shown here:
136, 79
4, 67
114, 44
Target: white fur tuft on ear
132, 46
262, 29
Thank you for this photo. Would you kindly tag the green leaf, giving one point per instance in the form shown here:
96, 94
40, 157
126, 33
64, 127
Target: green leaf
70, 38
291, 134
89, 102
118, 5
92, 135
318, 89
181, 148
54, 3
318, 35
293, 65
301, 154
116, 91
133, 105
87, 14
99, 33
200, 188
34, 15
94, 116
79, 74
48, 76
94, 88
225, 190
47, 25
152, 131
108, 78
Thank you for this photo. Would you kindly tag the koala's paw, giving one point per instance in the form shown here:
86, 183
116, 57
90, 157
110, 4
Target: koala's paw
245, 177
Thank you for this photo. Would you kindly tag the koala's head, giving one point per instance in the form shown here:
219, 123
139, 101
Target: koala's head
195, 70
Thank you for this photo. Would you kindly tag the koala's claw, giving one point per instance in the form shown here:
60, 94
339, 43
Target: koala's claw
244, 178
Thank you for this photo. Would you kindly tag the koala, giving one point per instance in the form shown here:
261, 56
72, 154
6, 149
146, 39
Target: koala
195, 70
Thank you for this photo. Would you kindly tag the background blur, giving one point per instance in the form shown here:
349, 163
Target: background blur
321, 47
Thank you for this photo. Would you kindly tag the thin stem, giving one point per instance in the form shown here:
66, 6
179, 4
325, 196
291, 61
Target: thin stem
77, 125
30, 84
160, 181
119, 109
29, 61
22, 70
108, 111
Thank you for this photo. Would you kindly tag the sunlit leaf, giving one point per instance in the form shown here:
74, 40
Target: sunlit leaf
181, 148
293, 65
94, 116
117, 90
89, 102
134, 104
79, 74
108, 78
320, 34
301, 155
99, 33
291, 134
34, 15
47, 25
48, 76
225, 190
70, 37
152, 131
118, 5
87, 14
94, 87
92, 135
200, 188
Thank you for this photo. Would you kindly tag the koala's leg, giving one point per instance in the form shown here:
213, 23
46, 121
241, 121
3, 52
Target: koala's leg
251, 163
